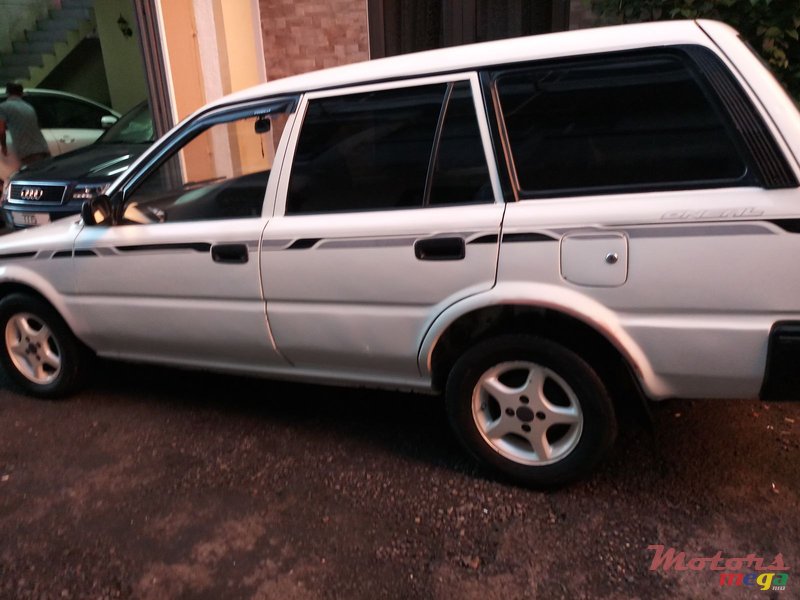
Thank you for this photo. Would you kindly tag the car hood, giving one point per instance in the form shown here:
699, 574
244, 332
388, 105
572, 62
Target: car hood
58, 235
92, 162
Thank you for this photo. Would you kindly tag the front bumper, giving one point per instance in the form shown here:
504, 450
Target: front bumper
20, 216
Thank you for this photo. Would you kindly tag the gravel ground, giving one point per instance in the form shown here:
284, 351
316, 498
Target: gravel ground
166, 484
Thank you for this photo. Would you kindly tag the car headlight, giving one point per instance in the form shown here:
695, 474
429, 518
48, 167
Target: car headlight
89, 190
6, 192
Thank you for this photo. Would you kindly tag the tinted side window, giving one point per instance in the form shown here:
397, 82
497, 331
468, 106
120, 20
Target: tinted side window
641, 121
66, 113
221, 172
365, 151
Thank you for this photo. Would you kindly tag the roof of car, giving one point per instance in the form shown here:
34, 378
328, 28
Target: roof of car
471, 56
61, 94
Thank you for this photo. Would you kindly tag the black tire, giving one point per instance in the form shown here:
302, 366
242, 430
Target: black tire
50, 361
504, 433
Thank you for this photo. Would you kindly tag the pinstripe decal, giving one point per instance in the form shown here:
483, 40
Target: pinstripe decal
699, 231
532, 236
195, 246
303, 243
17, 255
199, 247
642, 231
485, 239
368, 243
789, 225
365, 242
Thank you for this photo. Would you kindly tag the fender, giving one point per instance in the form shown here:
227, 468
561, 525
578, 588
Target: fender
20, 275
553, 297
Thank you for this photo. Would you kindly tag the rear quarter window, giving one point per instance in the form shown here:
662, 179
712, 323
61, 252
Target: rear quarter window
633, 121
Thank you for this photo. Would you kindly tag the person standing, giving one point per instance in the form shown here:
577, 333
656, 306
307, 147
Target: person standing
18, 118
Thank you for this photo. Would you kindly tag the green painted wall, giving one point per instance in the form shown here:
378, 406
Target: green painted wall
121, 55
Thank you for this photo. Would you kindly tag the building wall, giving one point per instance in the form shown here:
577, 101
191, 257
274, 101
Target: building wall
16, 16
211, 49
82, 72
121, 55
241, 44
185, 68
304, 35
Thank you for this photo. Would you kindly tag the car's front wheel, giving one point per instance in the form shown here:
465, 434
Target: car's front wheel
530, 409
39, 352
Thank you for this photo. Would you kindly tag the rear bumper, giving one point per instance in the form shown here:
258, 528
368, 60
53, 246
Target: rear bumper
782, 374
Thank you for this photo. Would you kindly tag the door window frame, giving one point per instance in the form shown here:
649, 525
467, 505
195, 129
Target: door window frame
480, 113
193, 127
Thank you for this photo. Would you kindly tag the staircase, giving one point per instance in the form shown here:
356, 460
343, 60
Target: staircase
48, 42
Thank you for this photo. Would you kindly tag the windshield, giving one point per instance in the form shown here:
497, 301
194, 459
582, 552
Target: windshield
134, 127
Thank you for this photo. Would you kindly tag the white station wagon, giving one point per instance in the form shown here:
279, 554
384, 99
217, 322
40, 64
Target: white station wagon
542, 229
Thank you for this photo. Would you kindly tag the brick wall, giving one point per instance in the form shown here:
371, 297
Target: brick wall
304, 35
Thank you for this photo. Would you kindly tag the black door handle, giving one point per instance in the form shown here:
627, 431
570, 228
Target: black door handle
229, 253
444, 248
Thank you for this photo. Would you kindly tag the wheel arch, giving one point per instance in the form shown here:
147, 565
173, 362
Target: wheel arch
16, 280
561, 315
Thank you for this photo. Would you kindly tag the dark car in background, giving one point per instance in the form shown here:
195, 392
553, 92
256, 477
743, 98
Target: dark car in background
58, 186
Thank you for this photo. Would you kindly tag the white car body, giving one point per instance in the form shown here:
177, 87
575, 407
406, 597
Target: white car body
686, 285
62, 133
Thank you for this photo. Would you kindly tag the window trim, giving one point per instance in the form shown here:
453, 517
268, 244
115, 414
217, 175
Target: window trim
437, 141
499, 151
187, 132
700, 72
762, 145
394, 84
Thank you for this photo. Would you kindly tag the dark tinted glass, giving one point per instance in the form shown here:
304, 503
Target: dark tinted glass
460, 174
641, 121
366, 151
66, 113
220, 172
134, 127
44, 113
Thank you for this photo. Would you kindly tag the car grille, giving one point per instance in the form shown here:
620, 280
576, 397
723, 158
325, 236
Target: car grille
37, 193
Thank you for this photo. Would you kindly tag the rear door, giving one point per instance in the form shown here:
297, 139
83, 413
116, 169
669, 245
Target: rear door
389, 213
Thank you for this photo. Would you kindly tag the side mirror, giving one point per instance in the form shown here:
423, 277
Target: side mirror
263, 125
107, 121
97, 211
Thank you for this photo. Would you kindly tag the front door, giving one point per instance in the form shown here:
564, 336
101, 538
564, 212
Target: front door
177, 280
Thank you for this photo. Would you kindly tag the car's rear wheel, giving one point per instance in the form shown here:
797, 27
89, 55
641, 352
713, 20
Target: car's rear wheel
530, 409
39, 353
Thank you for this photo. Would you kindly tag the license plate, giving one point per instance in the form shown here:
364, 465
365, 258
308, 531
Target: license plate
27, 219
